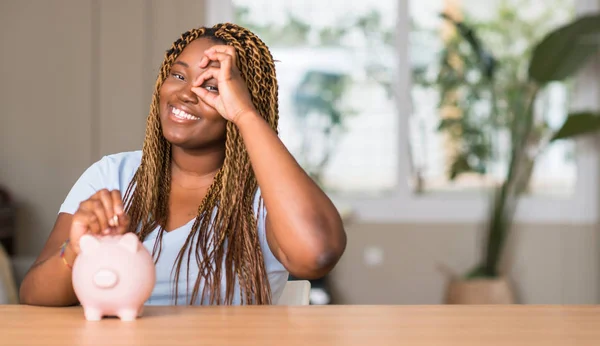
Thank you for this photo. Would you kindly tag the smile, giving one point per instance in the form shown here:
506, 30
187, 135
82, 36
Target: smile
179, 114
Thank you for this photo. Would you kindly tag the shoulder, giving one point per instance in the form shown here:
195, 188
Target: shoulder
111, 169
113, 172
125, 161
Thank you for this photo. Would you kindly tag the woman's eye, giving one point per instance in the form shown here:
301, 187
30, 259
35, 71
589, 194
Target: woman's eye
211, 88
177, 76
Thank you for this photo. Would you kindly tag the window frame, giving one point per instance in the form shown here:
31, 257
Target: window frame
401, 205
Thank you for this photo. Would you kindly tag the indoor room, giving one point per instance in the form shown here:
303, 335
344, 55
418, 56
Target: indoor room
421, 165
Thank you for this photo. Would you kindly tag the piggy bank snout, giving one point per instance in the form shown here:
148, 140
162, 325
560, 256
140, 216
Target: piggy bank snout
105, 278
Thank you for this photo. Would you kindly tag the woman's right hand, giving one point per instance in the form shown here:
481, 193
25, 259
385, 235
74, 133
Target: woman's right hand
96, 216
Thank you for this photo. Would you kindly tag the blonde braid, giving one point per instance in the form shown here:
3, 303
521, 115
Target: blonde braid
228, 243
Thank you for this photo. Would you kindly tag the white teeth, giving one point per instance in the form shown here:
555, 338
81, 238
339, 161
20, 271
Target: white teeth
183, 115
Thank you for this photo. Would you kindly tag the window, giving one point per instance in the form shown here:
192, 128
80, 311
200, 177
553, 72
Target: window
439, 56
335, 65
388, 136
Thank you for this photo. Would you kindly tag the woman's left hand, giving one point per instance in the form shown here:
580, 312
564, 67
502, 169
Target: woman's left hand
232, 99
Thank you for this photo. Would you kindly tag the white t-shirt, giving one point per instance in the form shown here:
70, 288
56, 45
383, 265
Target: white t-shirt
114, 172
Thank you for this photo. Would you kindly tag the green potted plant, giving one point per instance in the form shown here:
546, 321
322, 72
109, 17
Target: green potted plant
512, 108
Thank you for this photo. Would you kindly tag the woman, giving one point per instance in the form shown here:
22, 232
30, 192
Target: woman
198, 192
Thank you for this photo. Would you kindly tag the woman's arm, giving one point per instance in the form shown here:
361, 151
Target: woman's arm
304, 229
48, 282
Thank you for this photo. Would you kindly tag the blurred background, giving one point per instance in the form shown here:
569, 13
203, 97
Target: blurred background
461, 152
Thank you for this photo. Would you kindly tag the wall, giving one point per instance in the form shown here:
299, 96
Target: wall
548, 264
77, 81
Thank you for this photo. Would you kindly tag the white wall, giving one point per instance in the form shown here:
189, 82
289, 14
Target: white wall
77, 79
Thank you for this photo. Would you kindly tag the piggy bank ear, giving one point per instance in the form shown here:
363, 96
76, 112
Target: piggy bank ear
130, 242
88, 243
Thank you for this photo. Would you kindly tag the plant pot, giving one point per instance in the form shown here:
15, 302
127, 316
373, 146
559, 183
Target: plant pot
480, 291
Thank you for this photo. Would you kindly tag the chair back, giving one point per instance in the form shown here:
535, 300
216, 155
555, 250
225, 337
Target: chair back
296, 292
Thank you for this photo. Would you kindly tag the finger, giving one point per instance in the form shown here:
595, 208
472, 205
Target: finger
107, 202
204, 62
210, 98
206, 75
199, 88
123, 226
85, 221
225, 60
220, 48
96, 207
117, 201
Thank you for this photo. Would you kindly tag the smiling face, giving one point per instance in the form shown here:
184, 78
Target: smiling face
187, 121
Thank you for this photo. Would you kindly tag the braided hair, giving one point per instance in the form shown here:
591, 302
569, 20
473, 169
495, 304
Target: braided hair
230, 243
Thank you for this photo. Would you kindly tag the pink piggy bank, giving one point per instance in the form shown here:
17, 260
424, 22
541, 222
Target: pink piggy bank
113, 276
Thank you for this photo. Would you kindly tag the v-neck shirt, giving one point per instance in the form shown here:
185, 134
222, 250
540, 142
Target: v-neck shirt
114, 172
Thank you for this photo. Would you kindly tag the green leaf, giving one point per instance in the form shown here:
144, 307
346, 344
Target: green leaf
578, 124
564, 51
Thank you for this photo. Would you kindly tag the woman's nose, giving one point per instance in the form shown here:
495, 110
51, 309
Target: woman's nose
186, 95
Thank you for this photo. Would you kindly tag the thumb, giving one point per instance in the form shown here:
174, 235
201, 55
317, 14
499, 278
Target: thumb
124, 222
205, 95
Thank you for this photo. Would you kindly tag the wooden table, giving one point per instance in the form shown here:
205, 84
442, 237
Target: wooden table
309, 325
